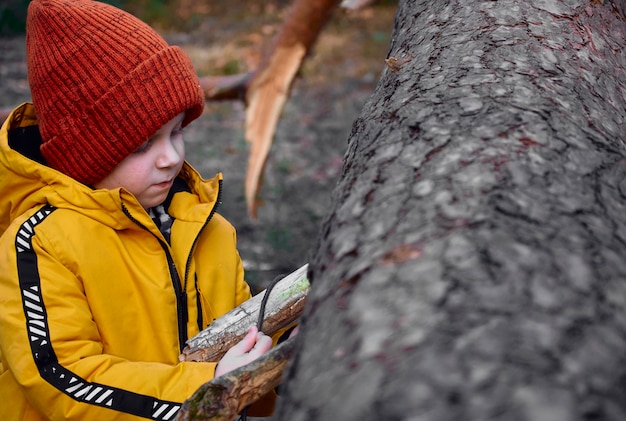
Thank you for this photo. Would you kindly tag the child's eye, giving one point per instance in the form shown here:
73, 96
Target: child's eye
178, 131
144, 147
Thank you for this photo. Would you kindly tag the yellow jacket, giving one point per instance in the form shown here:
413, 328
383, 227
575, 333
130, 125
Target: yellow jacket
95, 306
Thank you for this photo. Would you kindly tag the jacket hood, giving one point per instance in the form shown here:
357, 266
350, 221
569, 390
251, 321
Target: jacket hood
27, 182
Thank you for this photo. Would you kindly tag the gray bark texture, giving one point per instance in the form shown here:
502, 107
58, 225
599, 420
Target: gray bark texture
473, 263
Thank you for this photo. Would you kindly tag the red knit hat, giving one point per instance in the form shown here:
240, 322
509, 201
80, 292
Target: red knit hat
102, 82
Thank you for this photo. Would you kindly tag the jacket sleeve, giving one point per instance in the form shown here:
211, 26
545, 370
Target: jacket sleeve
53, 348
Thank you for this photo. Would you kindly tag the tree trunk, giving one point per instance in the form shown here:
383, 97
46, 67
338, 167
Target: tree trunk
473, 263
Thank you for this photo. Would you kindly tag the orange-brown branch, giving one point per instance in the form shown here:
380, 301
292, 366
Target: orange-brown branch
269, 87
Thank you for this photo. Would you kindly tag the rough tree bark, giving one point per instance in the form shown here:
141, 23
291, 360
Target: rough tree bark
472, 265
222, 398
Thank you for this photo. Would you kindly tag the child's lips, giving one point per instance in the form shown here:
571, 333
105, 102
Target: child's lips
164, 184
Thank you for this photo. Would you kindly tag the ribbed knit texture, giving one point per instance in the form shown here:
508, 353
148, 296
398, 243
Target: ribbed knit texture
102, 82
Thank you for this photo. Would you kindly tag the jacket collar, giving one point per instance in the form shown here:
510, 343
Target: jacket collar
27, 182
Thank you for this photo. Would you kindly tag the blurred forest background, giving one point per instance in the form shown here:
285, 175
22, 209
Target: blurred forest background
229, 37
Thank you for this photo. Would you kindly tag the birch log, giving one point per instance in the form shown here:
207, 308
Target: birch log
283, 307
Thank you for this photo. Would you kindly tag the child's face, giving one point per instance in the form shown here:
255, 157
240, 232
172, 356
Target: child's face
148, 172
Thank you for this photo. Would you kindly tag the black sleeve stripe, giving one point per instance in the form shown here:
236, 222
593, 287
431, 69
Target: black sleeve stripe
43, 352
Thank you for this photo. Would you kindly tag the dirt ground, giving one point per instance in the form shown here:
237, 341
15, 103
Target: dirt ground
310, 140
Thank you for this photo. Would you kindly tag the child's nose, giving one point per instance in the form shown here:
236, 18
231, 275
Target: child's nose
169, 154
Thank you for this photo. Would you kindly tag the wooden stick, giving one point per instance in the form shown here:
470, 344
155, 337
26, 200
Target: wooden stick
284, 306
224, 397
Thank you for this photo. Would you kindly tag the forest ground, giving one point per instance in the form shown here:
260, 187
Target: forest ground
311, 137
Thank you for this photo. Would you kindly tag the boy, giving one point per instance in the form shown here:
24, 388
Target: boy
112, 253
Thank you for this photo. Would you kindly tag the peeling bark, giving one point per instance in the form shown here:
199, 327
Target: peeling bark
224, 397
472, 264
284, 305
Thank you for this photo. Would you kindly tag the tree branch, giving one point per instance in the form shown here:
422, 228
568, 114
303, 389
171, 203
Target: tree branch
269, 88
224, 397
284, 306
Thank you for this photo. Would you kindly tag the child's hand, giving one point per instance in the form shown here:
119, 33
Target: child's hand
251, 347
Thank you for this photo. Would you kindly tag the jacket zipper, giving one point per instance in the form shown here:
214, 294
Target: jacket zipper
181, 291
181, 296
218, 200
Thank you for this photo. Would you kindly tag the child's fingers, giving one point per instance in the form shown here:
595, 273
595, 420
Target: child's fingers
263, 344
294, 332
251, 347
246, 343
